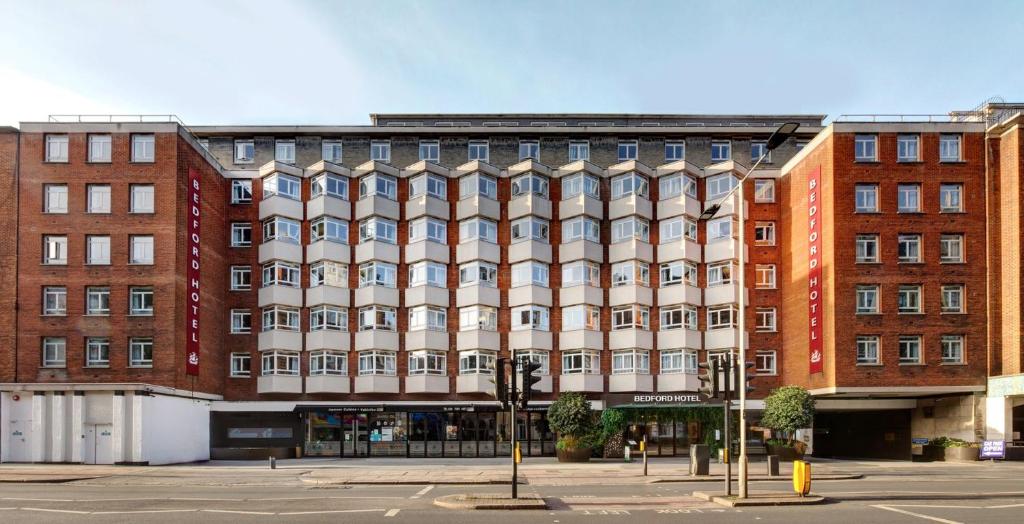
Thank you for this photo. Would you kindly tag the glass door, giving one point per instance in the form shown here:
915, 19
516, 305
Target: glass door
323, 434
354, 435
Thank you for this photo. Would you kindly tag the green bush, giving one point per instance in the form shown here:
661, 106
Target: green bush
788, 409
572, 418
947, 442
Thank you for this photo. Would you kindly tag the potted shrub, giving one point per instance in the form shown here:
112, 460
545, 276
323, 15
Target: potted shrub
612, 441
951, 449
786, 410
571, 417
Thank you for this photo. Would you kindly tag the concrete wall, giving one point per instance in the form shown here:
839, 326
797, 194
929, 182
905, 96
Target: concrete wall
954, 417
175, 430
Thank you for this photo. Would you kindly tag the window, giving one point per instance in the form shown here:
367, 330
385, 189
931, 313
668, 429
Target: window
634, 316
378, 184
581, 228
278, 362
427, 273
537, 357
866, 198
143, 148
331, 151
764, 363
378, 228
951, 248
245, 151
141, 249
530, 228
241, 191
909, 299
280, 273
241, 322
140, 352
530, 273
373, 318
581, 273
478, 229
627, 150
478, 150
764, 318
721, 150
952, 349
764, 233
428, 184
764, 190
867, 350
281, 185
98, 200
280, 228
140, 301
631, 228
581, 362
949, 148
950, 198
241, 278
430, 229
582, 316
380, 151
329, 184
280, 317
678, 317
764, 276
530, 183
529, 149
328, 318
867, 249
284, 151
478, 273
55, 250
722, 317
676, 185
56, 148
328, 273
759, 149
427, 363
428, 318
865, 148
719, 185
54, 352
719, 228
478, 184
376, 273
580, 184
630, 273
867, 299
631, 361
719, 273
910, 350
241, 234
629, 184
953, 298
579, 151
430, 150
55, 300
673, 229
99, 148
142, 198
909, 248
97, 352
98, 250
909, 198
679, 361
674, 151
484, 318
678, 272
241, 365
476, 362
97, 300
56, 198
328, 228
907, 148
530, 317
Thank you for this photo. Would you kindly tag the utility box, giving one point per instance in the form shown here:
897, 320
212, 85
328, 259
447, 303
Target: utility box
700, 459
773, 465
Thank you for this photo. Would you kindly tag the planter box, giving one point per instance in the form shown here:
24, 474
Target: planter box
943, 454
784, 453
573, 455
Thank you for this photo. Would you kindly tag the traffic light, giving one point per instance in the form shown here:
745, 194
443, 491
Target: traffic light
709, 378
500, 391
530, 377
750, 376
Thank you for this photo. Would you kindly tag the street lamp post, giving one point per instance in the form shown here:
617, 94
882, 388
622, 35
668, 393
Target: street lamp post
777, 138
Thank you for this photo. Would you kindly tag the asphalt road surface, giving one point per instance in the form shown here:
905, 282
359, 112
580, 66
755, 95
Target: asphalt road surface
895, 492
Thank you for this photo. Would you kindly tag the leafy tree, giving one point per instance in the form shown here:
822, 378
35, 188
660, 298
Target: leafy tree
788, 409
572, 418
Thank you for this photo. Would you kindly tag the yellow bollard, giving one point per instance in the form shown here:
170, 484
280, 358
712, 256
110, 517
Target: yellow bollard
801, 477
518, 454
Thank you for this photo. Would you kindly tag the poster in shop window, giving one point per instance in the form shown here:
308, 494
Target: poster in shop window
814, 282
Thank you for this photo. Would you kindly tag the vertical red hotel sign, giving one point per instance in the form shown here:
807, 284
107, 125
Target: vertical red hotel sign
814, 283
192, 277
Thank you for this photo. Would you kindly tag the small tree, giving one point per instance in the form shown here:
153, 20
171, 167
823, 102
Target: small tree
572, 418
788, 409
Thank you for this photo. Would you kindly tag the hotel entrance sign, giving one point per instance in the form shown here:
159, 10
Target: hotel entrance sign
814, 283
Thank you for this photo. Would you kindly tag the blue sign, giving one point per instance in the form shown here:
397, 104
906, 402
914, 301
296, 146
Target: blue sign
993, 449
919, 441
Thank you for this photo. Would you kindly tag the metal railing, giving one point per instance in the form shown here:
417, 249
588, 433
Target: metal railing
911, 118
110, 119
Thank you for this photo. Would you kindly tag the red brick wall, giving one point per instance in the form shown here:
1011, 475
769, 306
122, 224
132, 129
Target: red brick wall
1010, 284
8, 251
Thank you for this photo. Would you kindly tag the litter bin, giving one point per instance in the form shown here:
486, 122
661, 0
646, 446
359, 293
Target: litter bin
700, 459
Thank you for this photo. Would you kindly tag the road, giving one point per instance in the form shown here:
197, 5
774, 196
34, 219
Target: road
890, 492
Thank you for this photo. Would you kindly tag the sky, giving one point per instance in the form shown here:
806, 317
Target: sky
321, 62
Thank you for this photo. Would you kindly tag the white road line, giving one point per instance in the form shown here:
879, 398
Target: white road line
912, 514
324, 512
1006, 506
143, 511
56, 511
392, 512
422, 492
237, 512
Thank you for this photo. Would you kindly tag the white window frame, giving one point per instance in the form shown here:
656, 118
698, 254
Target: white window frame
428, 318
864, 245
868, 350
951, 198
429, 273
378, 184
631, 273
532, 150
908, 147
866, 198
329, 184
279, 362
428, 184
536, 318
281, 273
675, 150
97, 301
628, 150
280, 184
478, 150
328, 228
717, 186
630, 184
530, 184
951, 248
428, 228
281, 318
908, 198
478, 273
284, 150
54, 352
764, 233
98, 199
678, 361
241, 234
378, 273
766, 362
478, 184
55, 250
141, 250
97, 250
909, 350
55, 199
764, 190
473, 318
100, 149
530, 227
865, 148
379, 229
581, 362
241, 278
332, 151
631, 362
478, 228
581, 316
477, 362
380, 151
950, 147
530, 273
143, 148
722, 317
241, 322
97, 352
245, 151
908, 300
765, 320
581, 273
948, 292
908, 248
327, 362
579, 150
952, 349
629, 228
143, 198
141, 301
631, 316
55, 301
328, 273
759, 148
764, 276
328, 318
140, 352
241, 365
721, 150
867, 299
241, 191
581, 227
376, 317
57, 148
581, 184
430, 151
428, 362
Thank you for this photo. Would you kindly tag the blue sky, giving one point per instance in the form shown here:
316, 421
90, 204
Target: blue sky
257, 61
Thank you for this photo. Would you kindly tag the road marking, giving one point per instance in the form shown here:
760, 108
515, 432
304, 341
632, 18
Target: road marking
56, 511
143, 511
422, 492
392, 512
237, 512
912, 514
329, 511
